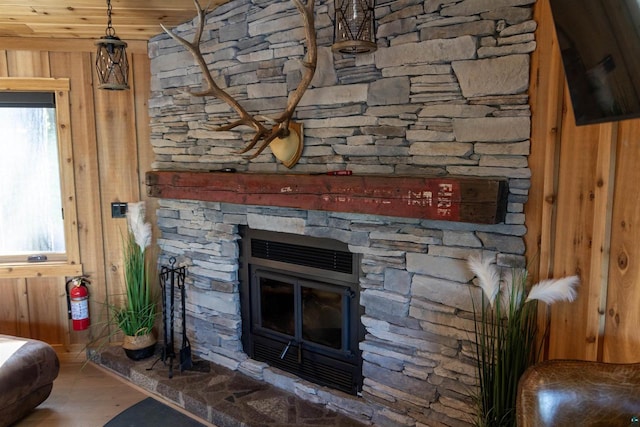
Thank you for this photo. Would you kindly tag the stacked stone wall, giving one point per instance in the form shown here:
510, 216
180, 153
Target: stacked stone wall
444, 94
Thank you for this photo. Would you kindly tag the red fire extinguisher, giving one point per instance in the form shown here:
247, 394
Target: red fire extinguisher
78, 302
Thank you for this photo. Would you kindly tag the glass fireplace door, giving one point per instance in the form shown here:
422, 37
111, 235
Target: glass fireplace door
322, 317
277, 305
302, 312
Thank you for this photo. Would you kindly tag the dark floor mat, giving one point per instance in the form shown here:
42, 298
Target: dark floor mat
152, 413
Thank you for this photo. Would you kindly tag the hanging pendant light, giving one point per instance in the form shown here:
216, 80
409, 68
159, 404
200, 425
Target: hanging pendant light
111, 59
354, 30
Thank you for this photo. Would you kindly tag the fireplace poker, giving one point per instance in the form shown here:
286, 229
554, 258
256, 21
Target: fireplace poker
185, 350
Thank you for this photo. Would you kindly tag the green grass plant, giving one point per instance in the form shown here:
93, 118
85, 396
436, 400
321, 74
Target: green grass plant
506, 335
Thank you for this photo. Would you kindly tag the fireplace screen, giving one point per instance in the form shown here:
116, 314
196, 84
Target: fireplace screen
300, 307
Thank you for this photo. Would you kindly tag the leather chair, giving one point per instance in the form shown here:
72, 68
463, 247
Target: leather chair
27, 370
578, 393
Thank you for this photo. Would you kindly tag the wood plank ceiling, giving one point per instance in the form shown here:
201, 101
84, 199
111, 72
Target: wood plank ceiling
87, 19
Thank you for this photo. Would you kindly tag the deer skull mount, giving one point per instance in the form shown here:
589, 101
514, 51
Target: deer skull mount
285, 137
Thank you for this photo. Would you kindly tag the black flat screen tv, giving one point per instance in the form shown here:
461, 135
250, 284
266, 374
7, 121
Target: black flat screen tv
600, 46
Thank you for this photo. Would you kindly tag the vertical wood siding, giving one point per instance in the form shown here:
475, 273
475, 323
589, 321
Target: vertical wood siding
582, 215
111, 152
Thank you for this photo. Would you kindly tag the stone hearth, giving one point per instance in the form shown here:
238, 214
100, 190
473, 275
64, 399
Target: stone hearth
218, 395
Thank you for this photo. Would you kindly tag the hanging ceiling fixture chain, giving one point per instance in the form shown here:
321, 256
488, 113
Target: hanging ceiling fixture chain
109, 31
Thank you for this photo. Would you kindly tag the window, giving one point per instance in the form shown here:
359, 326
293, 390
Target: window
38, 234
31, 209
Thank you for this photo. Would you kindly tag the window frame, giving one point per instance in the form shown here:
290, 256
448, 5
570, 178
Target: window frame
70, 266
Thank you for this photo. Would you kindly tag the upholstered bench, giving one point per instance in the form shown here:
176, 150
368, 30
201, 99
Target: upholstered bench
27, 370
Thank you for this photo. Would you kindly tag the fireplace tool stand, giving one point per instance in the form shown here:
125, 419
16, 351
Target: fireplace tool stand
170, 278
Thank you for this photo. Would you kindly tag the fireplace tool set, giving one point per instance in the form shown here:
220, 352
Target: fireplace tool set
172, 277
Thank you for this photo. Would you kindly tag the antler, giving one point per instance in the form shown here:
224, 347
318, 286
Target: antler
309, 64
281, 130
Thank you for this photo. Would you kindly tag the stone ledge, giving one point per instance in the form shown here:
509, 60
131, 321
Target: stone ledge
221, 396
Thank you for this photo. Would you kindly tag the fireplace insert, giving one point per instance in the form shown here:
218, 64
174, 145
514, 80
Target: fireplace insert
300, 307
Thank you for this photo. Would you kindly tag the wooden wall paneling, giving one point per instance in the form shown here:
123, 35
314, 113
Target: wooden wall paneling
110, 145
119, 178
596, 292
141, 78
140, 85
546, 99
572, 243
622, 340
4, 70
65, 45
10, 306
47, 302
24, 314
78, 68
568, 213
26, 63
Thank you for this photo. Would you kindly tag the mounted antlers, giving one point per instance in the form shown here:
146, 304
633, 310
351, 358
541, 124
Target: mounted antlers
281, 131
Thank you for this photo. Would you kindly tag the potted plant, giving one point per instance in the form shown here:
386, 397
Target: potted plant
506, 334
137, 315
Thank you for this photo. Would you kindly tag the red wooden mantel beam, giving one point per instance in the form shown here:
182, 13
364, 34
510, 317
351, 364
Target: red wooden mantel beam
462, 199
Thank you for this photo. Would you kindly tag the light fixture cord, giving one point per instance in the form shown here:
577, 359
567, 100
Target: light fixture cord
109, 31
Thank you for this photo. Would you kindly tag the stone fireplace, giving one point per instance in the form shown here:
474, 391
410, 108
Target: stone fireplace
445, 95
414, 290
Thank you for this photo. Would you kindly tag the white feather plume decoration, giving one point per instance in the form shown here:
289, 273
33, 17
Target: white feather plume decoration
513, 287
488, 276
141, 230
553, 290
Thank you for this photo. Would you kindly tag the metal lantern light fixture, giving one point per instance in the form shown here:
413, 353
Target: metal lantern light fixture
354, 30
111, 59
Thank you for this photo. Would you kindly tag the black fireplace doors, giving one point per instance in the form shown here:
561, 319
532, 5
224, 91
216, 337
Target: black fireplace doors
300, 307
